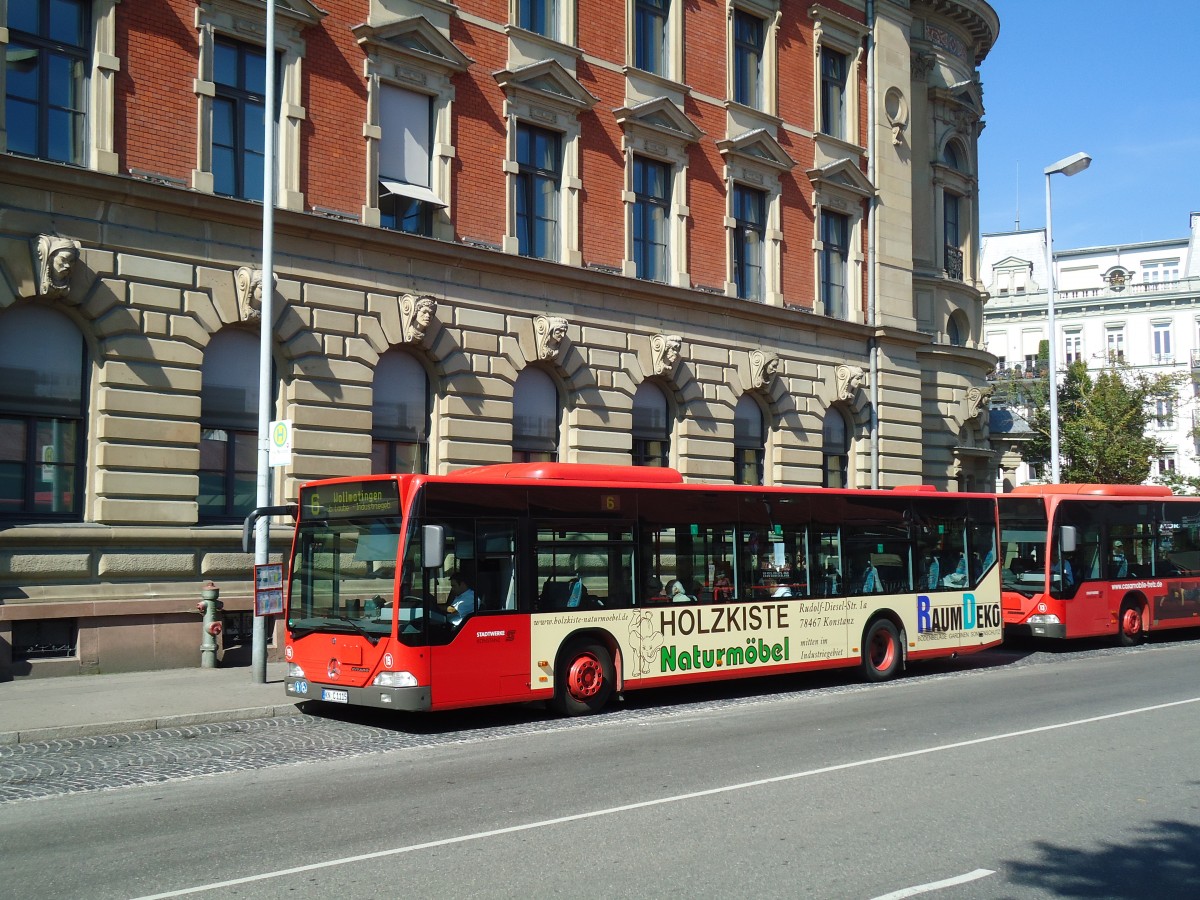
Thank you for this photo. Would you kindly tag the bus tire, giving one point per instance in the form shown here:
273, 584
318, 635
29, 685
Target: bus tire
585, 679
882, 652
1131, 625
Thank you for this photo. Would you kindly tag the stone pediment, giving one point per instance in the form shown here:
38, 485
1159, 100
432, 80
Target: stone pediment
759, 147
301, 12
965, 94
546, 80
843, 175
659, 115
416, 38
1012, 262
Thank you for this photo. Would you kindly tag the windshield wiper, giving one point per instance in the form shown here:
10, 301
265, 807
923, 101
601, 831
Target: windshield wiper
369, 635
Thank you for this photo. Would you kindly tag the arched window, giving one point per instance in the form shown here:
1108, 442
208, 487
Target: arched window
400, 415
651, 427
951, 157
749, 442
42, 390
835, 450
957, 329
535, 417
229, 427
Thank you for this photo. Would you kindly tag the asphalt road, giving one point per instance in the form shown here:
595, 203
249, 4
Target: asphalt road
1012, 774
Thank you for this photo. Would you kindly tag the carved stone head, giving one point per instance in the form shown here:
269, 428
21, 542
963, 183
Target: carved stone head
849, 381
416, 315
550, 332
667, 348
56, 260
249, 292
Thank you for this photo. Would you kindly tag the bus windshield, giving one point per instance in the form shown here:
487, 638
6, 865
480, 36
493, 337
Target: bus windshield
342, 578
1023, 545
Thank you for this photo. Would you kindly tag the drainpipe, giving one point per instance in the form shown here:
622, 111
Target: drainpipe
872, 287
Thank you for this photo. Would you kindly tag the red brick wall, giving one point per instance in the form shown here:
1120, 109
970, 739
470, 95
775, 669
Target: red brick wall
159, 49
156, 113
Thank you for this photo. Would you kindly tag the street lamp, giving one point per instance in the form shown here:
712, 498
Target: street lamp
1071, 165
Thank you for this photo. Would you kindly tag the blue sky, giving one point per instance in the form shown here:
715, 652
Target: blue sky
1118, 80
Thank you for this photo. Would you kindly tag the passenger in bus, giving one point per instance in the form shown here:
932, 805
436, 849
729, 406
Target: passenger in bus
833, 579
872, 583
677, 593
723, 584
1119, 565
933, 571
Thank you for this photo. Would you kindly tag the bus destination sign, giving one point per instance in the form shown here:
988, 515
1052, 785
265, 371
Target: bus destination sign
350, 499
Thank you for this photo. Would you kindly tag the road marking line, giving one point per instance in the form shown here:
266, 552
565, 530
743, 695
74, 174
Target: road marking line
937, 885
661, 801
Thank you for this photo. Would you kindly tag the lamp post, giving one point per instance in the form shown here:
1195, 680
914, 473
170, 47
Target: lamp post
1071, 165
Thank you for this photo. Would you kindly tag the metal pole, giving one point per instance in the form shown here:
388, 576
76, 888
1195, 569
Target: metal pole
1052, 360
262, 530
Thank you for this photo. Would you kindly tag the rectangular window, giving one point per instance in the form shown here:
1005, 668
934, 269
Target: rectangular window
835, 251
228, 474
748, 34
47, 60
650, 51
539, 176
834, 66
44, 639
952, 235
238, 155
1160, 270
1115, 343
539, 16
749, 233
1074, 348
406, 201
1161, 337
651, 212
1164, 412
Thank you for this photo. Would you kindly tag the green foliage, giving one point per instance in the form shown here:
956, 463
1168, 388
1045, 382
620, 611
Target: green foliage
1102, 423
1184, 485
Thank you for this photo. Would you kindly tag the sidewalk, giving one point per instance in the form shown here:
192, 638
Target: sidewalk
43, 709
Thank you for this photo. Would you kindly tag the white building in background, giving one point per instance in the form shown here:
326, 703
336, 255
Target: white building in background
1138, 302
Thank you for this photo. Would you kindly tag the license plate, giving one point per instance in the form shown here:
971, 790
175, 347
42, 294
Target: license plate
335, 696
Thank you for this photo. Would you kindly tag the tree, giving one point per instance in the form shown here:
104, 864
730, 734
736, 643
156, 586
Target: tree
1102, 422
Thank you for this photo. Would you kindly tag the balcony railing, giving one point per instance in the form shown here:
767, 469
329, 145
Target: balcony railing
1181, 285
954, 262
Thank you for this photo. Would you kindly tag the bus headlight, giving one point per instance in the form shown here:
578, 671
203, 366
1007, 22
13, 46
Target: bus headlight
294, 671
395, 679
1049, 619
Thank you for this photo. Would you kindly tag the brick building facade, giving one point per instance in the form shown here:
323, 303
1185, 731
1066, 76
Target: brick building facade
737, 237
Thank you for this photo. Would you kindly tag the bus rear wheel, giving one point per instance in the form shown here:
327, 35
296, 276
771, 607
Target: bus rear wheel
881, 651
1132, 624
585, 679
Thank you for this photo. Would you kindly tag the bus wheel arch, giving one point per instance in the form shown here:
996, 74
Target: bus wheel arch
585, 673
1131, 621
883, 646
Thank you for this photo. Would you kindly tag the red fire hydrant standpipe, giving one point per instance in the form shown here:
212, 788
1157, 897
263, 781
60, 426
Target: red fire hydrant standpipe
209, 606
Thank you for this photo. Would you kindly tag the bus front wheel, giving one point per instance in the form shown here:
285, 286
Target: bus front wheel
585, 680
1132, 624
882, 652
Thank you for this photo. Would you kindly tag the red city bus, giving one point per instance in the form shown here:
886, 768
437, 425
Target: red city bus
1086, 560
570, 582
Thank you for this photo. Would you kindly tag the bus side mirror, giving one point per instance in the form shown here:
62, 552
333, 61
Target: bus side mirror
1067, 539
433, 546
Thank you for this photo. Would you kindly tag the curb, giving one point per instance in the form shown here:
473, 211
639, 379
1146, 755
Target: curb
95, 729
